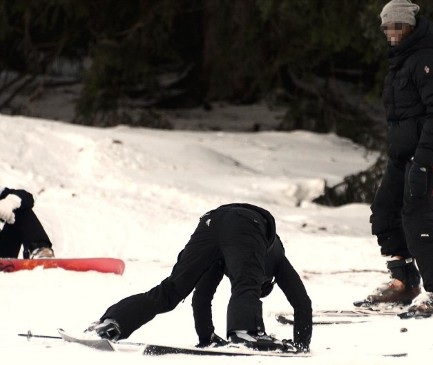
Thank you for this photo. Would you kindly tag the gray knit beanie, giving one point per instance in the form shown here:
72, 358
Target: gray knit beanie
399, 11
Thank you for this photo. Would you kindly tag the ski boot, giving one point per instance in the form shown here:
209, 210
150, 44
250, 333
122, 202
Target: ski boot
401, 290
421, 307
42, 253
107, 329
259, 341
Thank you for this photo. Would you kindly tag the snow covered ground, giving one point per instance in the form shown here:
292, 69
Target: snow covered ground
137, 194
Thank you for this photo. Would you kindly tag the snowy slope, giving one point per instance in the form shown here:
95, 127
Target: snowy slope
137, 194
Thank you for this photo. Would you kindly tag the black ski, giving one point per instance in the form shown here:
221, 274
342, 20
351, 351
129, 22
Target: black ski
157, 350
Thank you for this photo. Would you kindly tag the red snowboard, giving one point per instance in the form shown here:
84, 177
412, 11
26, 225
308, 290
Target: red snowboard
101, 264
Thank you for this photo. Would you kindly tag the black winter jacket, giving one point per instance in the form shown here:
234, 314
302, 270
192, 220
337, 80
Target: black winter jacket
408, 96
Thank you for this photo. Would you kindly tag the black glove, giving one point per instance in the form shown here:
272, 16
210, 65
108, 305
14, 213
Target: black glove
214, 341
295, 346
417, 180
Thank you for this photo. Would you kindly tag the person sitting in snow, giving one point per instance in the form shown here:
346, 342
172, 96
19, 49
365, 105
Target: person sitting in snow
240, 240
21, 227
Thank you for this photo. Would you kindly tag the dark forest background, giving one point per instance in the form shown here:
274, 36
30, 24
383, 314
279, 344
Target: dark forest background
324, 61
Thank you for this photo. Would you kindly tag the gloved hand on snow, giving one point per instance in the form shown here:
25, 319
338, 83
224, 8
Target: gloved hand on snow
7, 207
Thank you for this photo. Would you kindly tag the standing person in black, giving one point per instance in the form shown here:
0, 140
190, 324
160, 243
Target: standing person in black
402, 211
238, 236
21, 227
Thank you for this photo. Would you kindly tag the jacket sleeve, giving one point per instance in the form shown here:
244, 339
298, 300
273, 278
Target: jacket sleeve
27, 200
423, 79
202, 300
291, 284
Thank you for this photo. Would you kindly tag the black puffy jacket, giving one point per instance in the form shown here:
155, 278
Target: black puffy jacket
408, 96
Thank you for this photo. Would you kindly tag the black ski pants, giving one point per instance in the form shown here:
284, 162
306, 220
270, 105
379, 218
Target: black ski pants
404, 223
27, 231
235, 234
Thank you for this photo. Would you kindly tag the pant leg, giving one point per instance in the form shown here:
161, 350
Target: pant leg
418, 225
243, 244
32, 233
202, 300
10, 243
196, 258
386, 220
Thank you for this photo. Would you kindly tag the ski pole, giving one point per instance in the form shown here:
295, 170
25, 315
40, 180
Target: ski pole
29, 335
